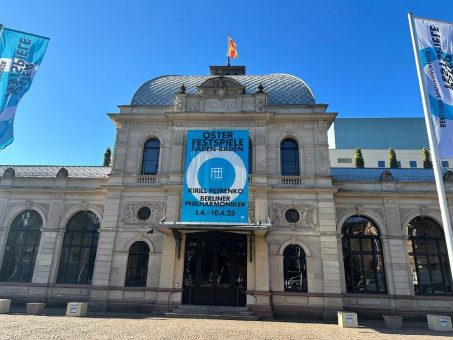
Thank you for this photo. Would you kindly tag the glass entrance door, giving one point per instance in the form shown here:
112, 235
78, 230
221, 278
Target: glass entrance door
215, 269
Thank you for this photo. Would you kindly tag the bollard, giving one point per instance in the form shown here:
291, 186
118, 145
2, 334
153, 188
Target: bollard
35, 308
439, 322
4, 306
347, 319
76, 309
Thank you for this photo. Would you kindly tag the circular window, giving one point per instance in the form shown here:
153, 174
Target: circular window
143, 213
292, 216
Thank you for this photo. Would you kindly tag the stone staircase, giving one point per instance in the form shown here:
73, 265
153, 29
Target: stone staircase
212, 312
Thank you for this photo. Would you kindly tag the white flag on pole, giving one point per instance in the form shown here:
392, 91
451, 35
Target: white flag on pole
435, 49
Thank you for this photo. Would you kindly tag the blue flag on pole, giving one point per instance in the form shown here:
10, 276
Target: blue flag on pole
20, 56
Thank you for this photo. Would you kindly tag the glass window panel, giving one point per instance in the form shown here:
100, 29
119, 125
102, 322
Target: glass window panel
366, 245
429, 249
368, 262
370, 282
21, 247
295, 271
363, 260
79, 249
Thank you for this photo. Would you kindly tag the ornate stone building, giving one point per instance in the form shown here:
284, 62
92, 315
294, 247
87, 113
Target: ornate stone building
319, 239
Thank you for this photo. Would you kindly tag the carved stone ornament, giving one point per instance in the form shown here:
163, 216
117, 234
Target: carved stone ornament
9, 173
130, 213
251, 211
341, 211
306, 212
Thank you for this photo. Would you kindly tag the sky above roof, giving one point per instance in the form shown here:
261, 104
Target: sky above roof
355, 56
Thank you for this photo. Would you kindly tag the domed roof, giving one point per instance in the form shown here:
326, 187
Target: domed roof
282, 89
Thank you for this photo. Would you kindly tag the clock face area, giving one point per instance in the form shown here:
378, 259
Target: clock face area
143, 213
292, 216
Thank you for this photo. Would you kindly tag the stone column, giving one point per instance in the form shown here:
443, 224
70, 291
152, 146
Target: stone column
3, 228
104, 253
167, 273
329, 254
46, 257
262, 295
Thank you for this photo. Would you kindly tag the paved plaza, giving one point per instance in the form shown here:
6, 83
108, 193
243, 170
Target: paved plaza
19, 326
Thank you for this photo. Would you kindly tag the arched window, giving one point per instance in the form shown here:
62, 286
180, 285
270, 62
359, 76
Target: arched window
295, 268
428, 257
362, 256
150, 160
289, 157
250, 157
21, 247
137, 265
79, 249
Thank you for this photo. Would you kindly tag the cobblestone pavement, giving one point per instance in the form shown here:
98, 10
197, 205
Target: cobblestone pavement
21, 326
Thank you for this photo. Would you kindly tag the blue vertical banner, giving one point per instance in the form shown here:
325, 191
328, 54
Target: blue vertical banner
434, 41
216, 177
20, 56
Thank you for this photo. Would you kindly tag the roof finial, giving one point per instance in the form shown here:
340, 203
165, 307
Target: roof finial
260, 88
182, 89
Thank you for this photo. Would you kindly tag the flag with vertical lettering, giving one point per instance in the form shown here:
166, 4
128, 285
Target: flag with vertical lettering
20, 56
435, 50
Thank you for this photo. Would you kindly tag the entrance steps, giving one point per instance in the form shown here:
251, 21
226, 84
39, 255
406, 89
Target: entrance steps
212, 312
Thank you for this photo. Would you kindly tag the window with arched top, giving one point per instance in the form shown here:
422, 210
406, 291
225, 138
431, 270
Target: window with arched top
150, 160
289, 157
428, 258
78, 251
137, 265
21, 247
363, 257
250, 157
294, 269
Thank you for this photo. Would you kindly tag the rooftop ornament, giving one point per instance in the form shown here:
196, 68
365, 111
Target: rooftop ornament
182, 89
260, 88
9, 173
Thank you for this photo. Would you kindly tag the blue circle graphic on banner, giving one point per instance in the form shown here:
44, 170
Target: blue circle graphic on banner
238, 173
216, 173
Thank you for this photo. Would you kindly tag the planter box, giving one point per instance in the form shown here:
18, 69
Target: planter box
347, 319
76, 309
439, 322
4, 306
393, 321
35, 308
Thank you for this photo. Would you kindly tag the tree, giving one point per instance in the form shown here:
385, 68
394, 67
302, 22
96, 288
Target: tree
358, 158
107, 157
391, 156
426, 159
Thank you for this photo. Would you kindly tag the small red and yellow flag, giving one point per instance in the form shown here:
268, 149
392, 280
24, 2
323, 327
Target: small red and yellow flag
232, 51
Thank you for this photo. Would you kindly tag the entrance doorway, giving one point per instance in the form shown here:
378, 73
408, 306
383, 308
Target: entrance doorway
215, 269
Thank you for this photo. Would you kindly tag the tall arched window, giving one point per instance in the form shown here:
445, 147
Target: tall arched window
137, 265
150, 161
294, 268
250, 157
362, 256
79, 249
428, 257
21, 247
289, 157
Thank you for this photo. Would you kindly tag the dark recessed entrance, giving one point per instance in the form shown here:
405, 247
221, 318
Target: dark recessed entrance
215, 269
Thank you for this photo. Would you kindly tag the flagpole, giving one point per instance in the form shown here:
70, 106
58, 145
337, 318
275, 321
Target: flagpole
443, 203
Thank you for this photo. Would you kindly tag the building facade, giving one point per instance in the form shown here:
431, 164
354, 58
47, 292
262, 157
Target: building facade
318, 239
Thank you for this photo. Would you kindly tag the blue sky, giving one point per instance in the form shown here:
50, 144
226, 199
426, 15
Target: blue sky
356, 56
